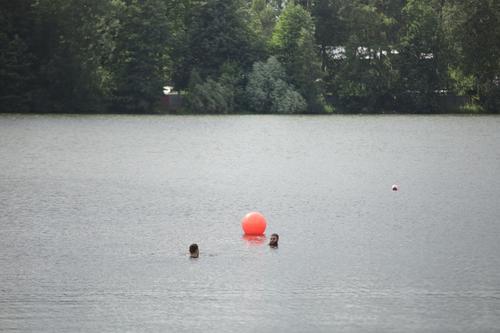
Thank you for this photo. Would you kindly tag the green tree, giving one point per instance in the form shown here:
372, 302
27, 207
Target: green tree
68, 49
366, 77
16, 57
15, 75
140, 58
473, 28
218, 31
263, 19
422, 74
224, 95
293, 44
209, 96
330, 26
269, 92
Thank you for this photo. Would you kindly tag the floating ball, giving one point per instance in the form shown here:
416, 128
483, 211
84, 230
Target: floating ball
395, 187
254, 224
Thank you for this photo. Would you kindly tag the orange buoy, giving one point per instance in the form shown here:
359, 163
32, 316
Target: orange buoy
254, 224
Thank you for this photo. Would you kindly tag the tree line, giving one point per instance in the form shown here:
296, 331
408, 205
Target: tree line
251, 56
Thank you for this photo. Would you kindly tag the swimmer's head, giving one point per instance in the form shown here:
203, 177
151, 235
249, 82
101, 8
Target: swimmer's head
194, 252
273, 241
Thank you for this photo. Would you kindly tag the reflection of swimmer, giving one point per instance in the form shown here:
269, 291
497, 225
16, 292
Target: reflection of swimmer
273, 241
194, 252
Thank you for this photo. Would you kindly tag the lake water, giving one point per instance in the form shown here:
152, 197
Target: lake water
97, 213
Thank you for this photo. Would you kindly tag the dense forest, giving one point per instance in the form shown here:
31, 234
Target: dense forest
237, 56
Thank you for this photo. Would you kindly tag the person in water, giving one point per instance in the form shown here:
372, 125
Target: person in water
194, 252
273, 241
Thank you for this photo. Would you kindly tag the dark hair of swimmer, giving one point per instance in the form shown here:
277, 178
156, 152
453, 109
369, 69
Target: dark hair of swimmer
194, 252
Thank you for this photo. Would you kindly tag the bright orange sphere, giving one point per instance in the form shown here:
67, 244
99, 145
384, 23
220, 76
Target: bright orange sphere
254, 224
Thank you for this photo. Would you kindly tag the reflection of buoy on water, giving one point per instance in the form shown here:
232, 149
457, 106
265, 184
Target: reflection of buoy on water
252, 240
254, 224
395, 187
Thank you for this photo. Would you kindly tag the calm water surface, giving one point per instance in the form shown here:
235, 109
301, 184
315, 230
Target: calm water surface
97, 213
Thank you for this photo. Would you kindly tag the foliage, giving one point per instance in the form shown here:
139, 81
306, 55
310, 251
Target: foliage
365, 55
475, 35
368, 73
331, 26
269, 92
15, 76
69, 61
218, 31
225, 95
293, 44
210, 97
139, 58
471, 108
419, 55
463, 84
263, 16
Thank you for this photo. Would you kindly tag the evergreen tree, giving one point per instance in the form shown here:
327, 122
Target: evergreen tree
475, 35
15, 75
69, 47
293, 44
421, 76
218, 31
330, 26
16, 58
140, 59
366, 77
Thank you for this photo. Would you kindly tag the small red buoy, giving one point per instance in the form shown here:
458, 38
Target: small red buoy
254, 223
395, 187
